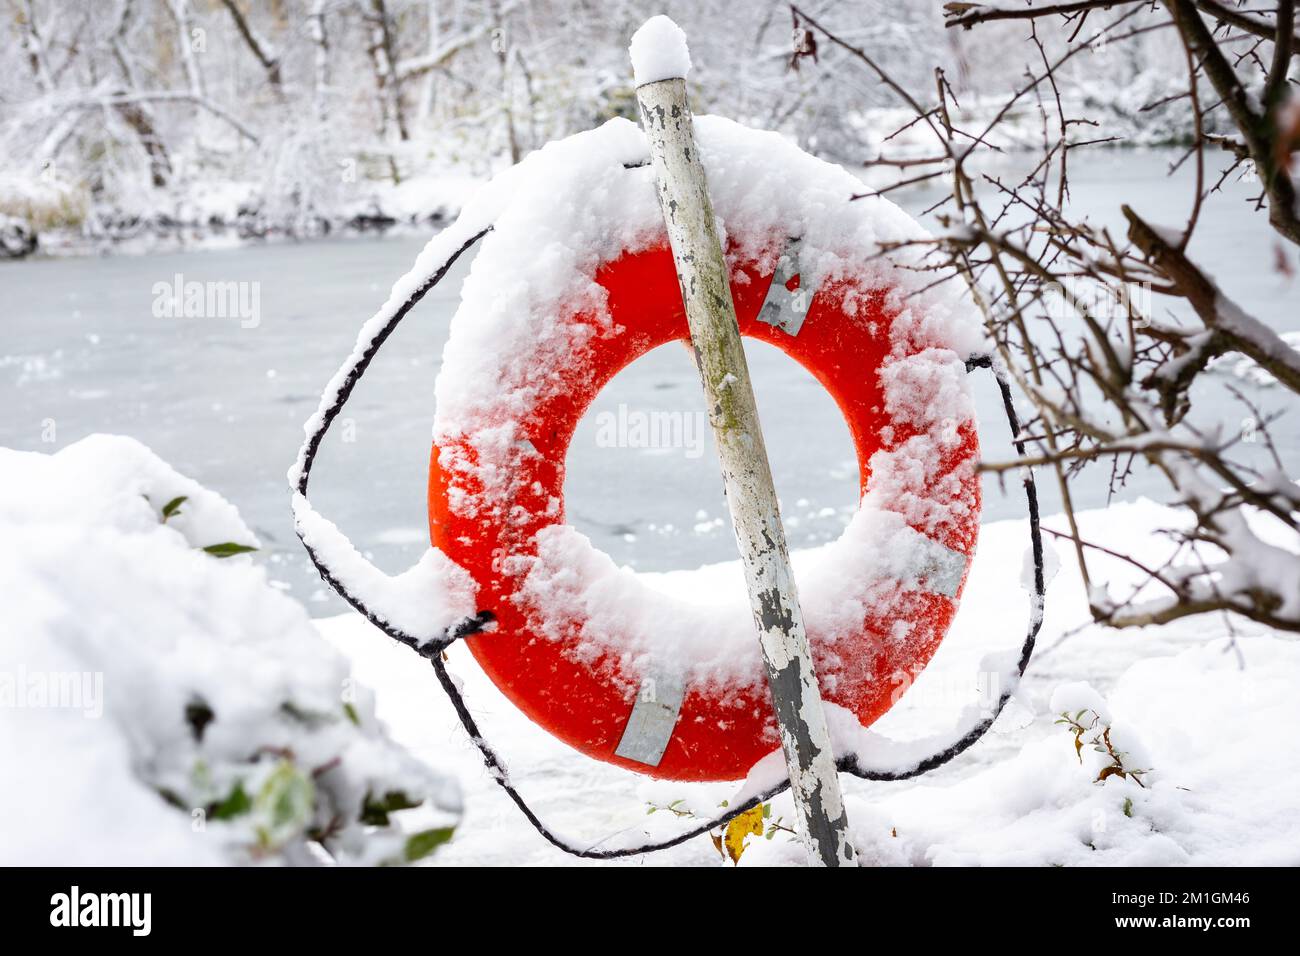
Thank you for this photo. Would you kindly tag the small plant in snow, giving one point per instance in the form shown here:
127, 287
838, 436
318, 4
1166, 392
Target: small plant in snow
731, 839
676, 808
1083, 712
1089, 729
224, 549
340, 793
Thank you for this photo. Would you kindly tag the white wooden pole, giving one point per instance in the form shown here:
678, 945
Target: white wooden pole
746, 473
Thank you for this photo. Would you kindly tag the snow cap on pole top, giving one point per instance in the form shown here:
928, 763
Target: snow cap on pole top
659, 52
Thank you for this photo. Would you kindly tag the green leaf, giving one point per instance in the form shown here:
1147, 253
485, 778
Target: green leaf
285, 800
1128, 806
292, 710
173, 507
375, 812
309, 718
419, 845
227, 549
352, 714
235, 804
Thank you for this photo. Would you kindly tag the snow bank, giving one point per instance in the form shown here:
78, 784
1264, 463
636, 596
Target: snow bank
43, 202
1214, 726
163, 705
1222, 793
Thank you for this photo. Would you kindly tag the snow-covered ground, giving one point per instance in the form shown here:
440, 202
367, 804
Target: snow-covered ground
1208, 716
202, 676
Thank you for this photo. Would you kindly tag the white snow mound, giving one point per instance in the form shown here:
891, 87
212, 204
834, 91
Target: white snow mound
162, 705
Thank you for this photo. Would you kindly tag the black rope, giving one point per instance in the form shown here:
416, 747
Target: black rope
433, 649
307, 457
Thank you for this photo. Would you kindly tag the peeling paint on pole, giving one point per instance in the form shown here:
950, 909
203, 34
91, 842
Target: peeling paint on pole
747, 476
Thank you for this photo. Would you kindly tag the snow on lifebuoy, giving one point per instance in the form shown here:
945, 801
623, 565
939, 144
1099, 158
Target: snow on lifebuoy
574, 282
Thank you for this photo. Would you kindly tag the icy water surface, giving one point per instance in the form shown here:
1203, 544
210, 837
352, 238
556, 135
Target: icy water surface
224, 401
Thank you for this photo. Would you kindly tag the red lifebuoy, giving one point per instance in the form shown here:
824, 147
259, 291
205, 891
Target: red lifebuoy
711, 733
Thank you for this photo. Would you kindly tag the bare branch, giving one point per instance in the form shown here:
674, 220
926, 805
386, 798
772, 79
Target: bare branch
259, 47
1232, 329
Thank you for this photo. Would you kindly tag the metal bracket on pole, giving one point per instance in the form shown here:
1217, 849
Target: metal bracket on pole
747, 475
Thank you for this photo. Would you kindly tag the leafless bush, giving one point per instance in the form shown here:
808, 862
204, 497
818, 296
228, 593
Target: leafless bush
1112, 387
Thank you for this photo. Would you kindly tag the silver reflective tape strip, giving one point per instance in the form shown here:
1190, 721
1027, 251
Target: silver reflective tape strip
782, 308
650, 727
934, 567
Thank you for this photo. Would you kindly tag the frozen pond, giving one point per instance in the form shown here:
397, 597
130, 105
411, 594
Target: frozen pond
84, 352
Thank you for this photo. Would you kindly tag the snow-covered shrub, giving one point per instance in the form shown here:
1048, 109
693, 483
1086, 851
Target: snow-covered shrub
161, 703
1110, 751
43, 202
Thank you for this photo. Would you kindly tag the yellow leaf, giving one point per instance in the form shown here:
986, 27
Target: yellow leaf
749, 822
1109, 772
